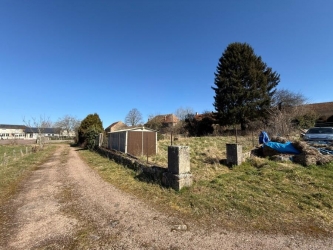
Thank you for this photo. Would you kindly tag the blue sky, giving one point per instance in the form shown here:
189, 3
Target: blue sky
107, 57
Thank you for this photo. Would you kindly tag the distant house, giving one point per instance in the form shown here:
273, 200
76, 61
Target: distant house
65, 133
134, 141
115, 126
8, 131
162, 122
43, 132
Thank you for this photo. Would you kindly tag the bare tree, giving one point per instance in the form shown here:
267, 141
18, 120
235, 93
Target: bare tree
133, 117
182, 113
38, 125
286, 98
286, 108
68, 124
46, 123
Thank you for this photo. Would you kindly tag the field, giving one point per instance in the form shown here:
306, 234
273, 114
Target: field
16, 162
259, 195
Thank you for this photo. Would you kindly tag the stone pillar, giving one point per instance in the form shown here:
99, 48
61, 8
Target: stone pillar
178, 175
234, 154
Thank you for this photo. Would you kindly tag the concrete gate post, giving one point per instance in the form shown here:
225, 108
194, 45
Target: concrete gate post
234, 154
178, 175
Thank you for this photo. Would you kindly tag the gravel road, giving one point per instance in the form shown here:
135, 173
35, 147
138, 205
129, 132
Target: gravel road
66, 205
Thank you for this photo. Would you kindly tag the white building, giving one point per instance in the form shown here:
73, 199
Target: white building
12, 131
43, 132
8, 132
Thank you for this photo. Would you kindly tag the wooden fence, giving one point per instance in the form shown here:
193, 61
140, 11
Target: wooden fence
15, 154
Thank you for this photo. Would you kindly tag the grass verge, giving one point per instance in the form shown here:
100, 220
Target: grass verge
259, 195
12, 173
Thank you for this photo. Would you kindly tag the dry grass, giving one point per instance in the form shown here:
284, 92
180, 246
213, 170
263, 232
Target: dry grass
17, 168
207, 150
258, 195
13, 173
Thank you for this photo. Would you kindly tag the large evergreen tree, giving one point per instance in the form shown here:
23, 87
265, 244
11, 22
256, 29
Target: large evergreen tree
244, 86
91, 122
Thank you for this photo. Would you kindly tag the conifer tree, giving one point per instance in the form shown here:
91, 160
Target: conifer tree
244, 86
92, 121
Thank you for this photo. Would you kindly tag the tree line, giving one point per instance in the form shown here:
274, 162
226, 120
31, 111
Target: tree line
246, 96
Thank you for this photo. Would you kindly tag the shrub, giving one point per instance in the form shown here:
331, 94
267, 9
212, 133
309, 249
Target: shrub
91, 138
91, 120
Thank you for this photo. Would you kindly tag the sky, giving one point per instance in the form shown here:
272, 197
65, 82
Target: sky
80, 57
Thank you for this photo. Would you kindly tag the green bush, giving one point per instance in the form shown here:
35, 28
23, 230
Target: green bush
91, 138
91, 120
305, 121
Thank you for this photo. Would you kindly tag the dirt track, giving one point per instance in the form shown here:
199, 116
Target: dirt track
65, 204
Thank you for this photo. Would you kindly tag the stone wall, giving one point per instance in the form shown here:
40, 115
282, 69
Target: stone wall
176, 176
152, 171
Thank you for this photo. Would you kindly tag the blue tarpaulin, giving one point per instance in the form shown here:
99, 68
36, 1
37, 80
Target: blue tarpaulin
263, 137
286, 148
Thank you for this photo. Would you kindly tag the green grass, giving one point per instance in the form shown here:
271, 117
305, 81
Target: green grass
259, 195
12, 151
203, 150
15, 170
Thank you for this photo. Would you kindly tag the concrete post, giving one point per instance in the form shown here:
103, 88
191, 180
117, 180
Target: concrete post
179, 159
99, 140
178, 175
234, 154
